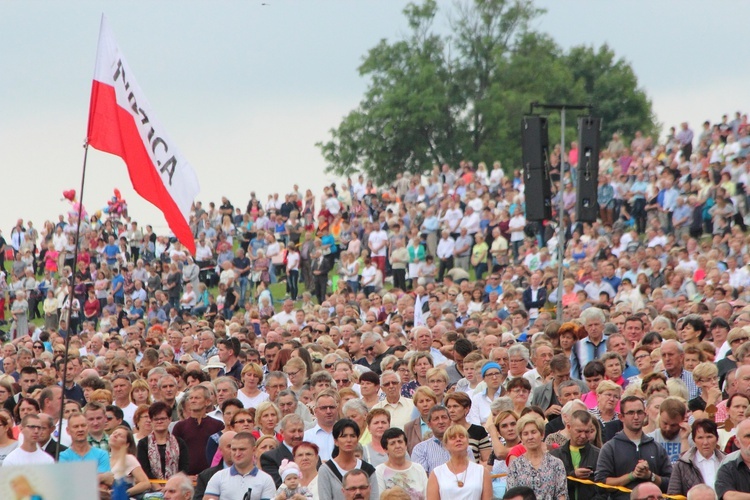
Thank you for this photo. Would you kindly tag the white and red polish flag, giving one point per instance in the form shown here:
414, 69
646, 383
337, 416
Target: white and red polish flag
122, 122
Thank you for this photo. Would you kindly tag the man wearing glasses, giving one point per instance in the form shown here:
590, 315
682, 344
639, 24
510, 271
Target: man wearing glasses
326, 413
632, 457
28, 452
356, 485
373, 346
400, 408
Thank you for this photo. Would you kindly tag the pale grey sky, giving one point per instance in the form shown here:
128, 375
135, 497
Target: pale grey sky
246, 90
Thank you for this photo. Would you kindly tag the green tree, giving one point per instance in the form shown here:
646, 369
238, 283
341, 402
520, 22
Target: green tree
436, 99
405, 121
612, 86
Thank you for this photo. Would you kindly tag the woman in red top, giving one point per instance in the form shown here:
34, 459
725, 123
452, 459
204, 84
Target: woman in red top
92, 307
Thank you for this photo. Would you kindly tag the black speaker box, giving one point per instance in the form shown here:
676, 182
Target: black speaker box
535, 153
587, 205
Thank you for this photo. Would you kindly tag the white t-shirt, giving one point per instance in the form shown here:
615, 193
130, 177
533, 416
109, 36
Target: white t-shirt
253, 402
22, 457
292, 261
128, 412
368, 275
377, 238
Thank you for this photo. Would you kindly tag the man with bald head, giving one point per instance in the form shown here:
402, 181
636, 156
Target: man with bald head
646, 490
225, 446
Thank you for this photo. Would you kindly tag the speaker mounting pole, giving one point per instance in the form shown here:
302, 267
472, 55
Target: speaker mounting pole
561, 206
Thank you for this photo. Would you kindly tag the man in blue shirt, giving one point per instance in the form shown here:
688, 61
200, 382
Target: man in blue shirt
118, 287
81, 451
111, 251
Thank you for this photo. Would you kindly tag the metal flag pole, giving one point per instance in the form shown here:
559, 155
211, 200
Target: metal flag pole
71, 298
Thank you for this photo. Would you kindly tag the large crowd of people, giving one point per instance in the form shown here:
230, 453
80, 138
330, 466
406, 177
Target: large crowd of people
400, 341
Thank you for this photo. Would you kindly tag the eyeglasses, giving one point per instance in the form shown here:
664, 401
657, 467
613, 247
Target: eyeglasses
642, 356
370, 349
184, 362
493, 374
740, 339
320, 331
159, 419
328, 366
293, 374
38, 347
634, 413
367, 487
243, 421
343, 381
33, 427
389, 384
328, 408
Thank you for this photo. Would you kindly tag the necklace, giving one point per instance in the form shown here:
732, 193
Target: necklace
459, 481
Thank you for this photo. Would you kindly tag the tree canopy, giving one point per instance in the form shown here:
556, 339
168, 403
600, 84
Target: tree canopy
434, 98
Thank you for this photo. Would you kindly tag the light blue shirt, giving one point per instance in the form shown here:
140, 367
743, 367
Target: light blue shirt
101, 458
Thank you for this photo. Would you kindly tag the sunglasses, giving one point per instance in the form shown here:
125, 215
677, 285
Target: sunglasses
328, 366
243, 421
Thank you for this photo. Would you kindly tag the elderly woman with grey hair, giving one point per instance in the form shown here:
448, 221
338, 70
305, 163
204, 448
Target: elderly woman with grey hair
357, 410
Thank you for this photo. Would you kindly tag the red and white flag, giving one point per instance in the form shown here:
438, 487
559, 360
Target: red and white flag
122, 122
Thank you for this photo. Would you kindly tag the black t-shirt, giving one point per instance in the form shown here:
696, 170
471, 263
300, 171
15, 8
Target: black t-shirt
229, 302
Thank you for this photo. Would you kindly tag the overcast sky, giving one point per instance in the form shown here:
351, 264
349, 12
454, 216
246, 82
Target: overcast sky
245, 90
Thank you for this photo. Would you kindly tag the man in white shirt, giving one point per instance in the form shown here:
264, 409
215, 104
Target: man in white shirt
470, 221
445, 248
287, 313
377, 242
326, 413
400, 408
242, 476
541, 355
453, 218
121, 386
28, 453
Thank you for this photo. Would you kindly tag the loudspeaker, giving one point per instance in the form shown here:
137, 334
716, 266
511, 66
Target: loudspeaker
538, 193
587, 185
535, 153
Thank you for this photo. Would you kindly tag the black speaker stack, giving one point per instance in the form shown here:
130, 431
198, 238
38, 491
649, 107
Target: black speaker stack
535, 156
587, 183
535, 153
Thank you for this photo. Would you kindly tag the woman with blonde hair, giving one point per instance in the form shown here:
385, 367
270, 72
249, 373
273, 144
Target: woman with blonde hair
706, 377
140, 393
250, 393
459, 478
608, 396
424, 399
536, 468
267, 417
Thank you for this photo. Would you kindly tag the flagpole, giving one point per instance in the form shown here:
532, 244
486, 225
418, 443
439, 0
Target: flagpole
71, 298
